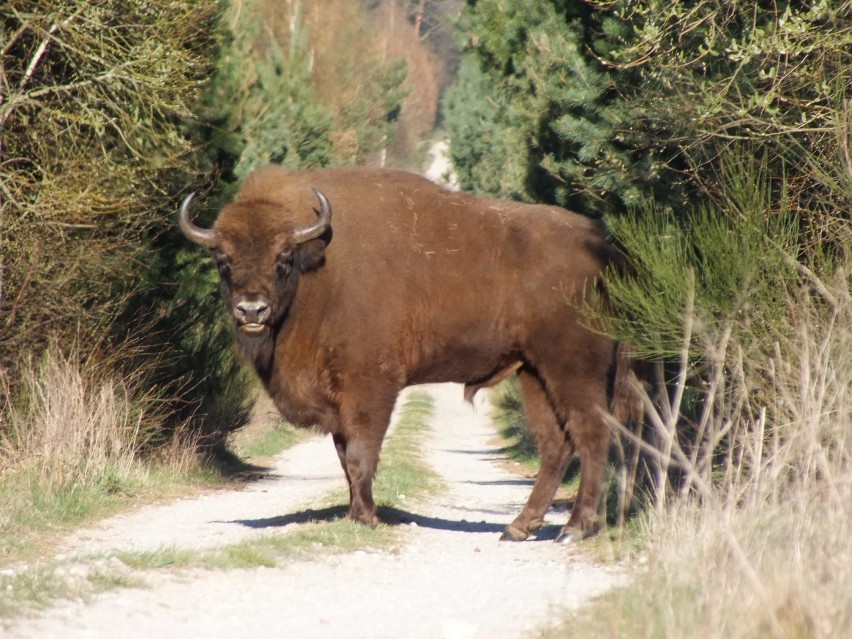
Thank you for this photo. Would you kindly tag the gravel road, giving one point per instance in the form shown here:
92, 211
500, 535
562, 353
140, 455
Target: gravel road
449, 578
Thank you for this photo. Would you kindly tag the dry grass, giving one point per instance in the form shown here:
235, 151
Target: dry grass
71, 426
70, 444
750, 533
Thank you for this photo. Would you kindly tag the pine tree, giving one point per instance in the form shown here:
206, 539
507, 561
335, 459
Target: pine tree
613, 103
554, 120
260, 105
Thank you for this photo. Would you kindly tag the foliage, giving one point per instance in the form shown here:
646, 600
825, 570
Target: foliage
261, 102
487, 150
90, 155
733, 266
563, 132
288, 91
771, 75
512, 422
601, 106
652, 112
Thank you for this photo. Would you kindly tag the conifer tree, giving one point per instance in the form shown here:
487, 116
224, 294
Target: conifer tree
610, 103
556, 125
260, 105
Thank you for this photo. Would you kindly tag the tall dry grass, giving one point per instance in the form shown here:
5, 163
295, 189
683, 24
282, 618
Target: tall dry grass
72, 438
70, 424
750, 529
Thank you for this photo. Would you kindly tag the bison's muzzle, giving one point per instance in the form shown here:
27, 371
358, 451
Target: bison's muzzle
252, 314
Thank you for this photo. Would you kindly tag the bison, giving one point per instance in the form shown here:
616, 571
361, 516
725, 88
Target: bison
408, 283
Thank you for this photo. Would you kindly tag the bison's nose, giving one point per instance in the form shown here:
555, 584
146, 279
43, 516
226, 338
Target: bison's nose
252, 311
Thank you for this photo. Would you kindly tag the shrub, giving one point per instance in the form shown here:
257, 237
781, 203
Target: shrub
91, 154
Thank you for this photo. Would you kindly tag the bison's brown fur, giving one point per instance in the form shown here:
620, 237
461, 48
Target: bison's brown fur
412, 283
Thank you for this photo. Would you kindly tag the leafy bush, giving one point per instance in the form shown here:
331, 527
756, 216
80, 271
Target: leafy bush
91, 156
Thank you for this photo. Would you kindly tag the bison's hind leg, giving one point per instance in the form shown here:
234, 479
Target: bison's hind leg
555, 449
590, 434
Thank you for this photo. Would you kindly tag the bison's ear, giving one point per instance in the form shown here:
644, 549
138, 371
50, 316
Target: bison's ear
311, 255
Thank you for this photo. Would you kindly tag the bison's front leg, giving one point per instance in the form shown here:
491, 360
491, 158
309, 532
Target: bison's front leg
364, 422
359, 463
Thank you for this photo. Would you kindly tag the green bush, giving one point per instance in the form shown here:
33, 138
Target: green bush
733, 268
599, 107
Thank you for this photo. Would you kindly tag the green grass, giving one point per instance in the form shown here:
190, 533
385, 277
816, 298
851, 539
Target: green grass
512, 423
266, 435
33, 515
336, 536
403, 474
271, 441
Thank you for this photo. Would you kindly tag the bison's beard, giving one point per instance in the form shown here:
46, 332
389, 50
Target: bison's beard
255, 349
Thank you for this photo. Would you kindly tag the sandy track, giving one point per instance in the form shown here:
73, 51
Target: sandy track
449, 578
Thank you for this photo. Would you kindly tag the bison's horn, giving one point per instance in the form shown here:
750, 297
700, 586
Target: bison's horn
205, 237
319, 227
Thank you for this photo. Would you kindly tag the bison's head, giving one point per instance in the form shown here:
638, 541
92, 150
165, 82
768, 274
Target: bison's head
260, 258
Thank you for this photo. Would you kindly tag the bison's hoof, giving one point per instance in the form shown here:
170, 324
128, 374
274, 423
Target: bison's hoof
513, 534
363, 518
569, 536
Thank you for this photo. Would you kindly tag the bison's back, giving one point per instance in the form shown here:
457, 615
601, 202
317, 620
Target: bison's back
426, 235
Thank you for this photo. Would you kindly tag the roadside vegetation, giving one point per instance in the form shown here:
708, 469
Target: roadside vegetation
715, 141
403, 479
714, 138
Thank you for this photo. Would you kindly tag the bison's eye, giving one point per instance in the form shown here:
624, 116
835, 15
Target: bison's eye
283, 264
223, 265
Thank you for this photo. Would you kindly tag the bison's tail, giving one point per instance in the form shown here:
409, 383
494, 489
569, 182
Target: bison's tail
627, 406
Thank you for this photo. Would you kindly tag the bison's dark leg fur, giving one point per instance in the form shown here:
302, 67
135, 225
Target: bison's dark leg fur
591, 437
362, 458
340, 446
364, 420
555, 450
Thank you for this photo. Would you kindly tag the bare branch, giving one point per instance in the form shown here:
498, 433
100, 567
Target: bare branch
43, 47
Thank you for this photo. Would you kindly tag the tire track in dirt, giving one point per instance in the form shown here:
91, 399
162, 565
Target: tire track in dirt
449, 578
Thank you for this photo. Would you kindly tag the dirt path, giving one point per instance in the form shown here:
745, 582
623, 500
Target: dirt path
450, 578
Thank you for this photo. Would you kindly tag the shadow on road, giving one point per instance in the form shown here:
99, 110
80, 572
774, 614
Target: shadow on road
392, 517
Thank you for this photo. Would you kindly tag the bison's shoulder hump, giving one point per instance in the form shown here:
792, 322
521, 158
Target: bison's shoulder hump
263, 182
